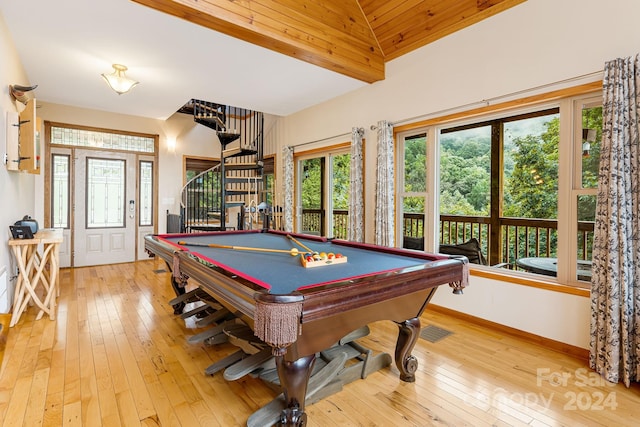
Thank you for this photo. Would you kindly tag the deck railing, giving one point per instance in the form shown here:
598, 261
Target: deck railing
519, 237
313, 222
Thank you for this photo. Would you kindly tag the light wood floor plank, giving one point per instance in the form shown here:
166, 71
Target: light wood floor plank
90, 402
18, 402
139, 392
37, 397
52, 416
166, 414
117, 355
72, 415
127, 409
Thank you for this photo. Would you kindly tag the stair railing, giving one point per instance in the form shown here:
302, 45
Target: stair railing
200, 201
240, 131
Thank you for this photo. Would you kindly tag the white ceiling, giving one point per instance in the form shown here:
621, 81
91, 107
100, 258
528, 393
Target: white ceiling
65, 45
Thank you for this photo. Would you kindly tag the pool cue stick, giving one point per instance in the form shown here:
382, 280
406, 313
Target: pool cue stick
297, 242
239, 248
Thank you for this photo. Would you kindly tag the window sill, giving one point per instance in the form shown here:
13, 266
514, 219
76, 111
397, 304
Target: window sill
525, 279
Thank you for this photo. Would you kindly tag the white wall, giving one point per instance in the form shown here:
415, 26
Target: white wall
16, 189
537, 43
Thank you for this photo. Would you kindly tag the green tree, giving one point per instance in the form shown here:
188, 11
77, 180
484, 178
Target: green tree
312, 183
341, 179
415, 169
532, 188
465, 173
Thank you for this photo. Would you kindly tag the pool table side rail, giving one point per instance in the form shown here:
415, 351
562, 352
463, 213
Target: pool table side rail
369, 290
393, 251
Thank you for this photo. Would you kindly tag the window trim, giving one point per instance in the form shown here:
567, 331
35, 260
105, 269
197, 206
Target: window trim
563, 99
327, 153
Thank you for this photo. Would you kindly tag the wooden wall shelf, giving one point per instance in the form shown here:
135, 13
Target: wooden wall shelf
23, 140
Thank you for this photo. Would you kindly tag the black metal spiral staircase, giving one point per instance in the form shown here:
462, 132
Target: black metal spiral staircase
208, 198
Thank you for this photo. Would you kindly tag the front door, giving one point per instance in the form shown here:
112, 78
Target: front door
104, 208
101, 190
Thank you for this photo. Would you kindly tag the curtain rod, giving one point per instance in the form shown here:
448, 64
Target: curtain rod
489, 101
361, 130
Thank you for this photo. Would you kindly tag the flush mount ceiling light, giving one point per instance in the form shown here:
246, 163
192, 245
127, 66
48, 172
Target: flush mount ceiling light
118, 81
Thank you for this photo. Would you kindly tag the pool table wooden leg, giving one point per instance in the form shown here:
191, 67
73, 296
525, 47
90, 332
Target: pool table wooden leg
408, 333
178, 284
179, 290
294, 378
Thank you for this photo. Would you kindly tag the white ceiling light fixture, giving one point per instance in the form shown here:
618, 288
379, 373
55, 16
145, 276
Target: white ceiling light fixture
118, 81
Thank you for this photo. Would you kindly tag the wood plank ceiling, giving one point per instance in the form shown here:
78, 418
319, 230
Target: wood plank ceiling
351, 37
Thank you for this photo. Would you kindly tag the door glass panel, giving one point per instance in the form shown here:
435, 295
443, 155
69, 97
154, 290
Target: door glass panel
105, 193
146, 193
340, 196
312, 191
413, 193
60, 191
415, 163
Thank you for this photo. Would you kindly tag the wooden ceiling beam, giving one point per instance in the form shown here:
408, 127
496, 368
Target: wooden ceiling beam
333, 34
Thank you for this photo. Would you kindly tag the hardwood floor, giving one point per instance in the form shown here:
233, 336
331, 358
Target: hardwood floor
118, 356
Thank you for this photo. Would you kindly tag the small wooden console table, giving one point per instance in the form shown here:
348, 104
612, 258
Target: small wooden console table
32, 273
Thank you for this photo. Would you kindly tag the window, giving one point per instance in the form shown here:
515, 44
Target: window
588, 134
323, 192
269, 178
105, 193
499, 184
412, 189
523, 182
107, 140
203, 191
145, 197
196, 165
60, 177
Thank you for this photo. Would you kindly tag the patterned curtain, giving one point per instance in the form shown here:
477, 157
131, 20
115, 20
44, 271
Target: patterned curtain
287, 166
384, 186
615, 287
356, 200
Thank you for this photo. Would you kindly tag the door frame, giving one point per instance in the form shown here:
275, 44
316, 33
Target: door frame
139, 155
326, 153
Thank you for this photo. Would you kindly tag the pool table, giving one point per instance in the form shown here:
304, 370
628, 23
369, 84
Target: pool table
300, 311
